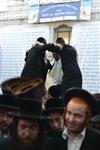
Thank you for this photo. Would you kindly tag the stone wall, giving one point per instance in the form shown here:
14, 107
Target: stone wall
17, 12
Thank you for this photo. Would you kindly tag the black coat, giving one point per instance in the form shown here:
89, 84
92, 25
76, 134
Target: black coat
90, 142
4, 143
44, 144
72, 76
35, 66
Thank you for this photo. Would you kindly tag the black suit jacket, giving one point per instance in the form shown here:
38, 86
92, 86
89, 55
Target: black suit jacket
72, 76
4, 143
90, 142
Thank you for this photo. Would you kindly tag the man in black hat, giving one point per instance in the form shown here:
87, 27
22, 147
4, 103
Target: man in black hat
8, 105
54, 109
37, 65
79, 107
72, 76
41, 40
95, 120
29, 131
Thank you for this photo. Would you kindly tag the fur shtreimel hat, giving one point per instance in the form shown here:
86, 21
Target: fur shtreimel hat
29, 109
78, 92
8, 103
23, 87
54, 105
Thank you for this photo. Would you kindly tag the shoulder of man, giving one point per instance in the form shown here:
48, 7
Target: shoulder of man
93, 135
4, 143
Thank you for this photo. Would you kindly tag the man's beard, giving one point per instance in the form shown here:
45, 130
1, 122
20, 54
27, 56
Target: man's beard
4, 129
25, 146
4, 126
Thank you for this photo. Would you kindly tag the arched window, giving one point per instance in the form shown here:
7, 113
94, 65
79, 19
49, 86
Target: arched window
63, 31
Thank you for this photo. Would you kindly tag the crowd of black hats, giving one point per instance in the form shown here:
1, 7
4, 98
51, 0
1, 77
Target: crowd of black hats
21, 107
31, 107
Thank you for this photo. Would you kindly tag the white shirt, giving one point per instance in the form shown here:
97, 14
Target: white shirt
56, 73
73, 143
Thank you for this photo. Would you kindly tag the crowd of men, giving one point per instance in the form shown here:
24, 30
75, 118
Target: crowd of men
66, 117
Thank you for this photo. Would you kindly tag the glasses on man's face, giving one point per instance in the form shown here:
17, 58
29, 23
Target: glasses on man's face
32, 127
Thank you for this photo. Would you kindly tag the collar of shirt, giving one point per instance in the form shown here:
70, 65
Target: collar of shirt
65, 134
58, 61
4, 135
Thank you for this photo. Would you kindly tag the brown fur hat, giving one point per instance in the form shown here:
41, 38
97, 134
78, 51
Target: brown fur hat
23, 87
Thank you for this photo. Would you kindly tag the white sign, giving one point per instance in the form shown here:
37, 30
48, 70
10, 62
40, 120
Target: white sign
85, 9
86, 39
15, 40
3, 5
33, 14
50, 1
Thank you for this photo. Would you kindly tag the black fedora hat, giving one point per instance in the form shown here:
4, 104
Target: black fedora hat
54, 105
82, 93
96, 119
55, 90
97, 98
8, 103
29, 109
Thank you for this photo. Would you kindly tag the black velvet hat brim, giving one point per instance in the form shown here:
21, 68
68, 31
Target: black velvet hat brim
85, 95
